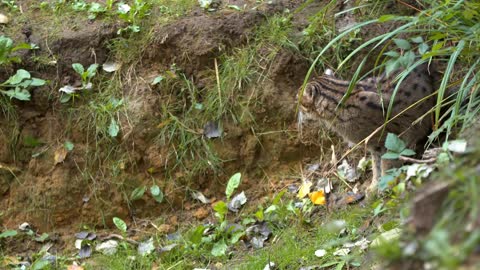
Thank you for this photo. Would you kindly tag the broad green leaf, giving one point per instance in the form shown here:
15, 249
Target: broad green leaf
121, 225
138, 193
18, 94
157, 193
407, 152
385, 181
37, 82
155, 190
417, 39
220, 207
18, 77
236, 236
233, 184
197, 234
113, 129
9, 233
393, 54
391, 65
219, 248
65, 98
40, 264
423, 48
394, 144
78, 68
402, 43
92, 70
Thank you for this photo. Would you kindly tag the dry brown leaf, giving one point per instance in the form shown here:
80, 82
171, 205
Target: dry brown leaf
60, 155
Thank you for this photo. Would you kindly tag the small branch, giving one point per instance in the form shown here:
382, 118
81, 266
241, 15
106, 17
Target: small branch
414, 160
119, 237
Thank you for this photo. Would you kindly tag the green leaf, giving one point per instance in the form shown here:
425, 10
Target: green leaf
197, 234
407, 152
92, 70
22, 94
40, 264
157, 193
391, 65
18, 77
219, 248
78, 68
386, 18
121, 225
385, 181
402, 43
68, 145
9, 233
417, 39
113, 129
157, 80
221, 208
394, 144
42, 237
65, 98
155, 190
236, 236
37, 82
423, 48
138, 193
393, 54
233, 184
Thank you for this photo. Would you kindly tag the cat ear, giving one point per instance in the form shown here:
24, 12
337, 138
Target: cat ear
329, 72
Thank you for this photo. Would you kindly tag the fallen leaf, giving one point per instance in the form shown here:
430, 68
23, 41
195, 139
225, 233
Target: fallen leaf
110, 66
85, 251
304, 189
386, 237
348, 172
237, 201
145, 248
341, 252
199, 196
318, 197
320, 253
3, 19
108, 248
60, 155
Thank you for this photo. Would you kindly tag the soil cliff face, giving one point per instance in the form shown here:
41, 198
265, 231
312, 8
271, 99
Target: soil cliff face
42, 184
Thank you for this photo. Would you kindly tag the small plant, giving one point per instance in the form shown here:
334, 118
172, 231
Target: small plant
132, 15
155, 192
69, 91
19, 84
7, 48
12, 4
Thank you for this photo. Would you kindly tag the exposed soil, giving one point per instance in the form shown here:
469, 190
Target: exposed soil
64, 196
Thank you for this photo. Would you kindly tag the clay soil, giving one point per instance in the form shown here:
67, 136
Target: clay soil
63, 196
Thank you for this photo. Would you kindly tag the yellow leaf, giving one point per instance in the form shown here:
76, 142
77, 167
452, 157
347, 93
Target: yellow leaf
318, 197
304, 189
60, 155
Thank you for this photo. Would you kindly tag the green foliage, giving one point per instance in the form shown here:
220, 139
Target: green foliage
8, 233
233, 184
396, 147
120, 224
19, 84
132, 14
